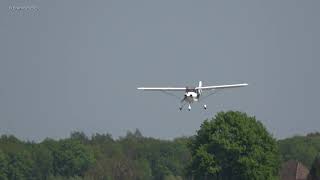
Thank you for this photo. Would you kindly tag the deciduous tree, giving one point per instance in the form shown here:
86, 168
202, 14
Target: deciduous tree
234, 146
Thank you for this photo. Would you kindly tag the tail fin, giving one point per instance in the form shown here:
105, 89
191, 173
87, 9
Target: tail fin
200, 85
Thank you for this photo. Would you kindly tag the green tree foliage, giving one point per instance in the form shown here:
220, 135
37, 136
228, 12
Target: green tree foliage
3, 166
43, 161
137, 157
300, 148
20, 165
234, 146
79, 136
232, 143
315, 169
71, 158
11, 144
67, 158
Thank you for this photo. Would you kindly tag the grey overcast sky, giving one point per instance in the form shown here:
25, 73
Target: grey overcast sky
74, 65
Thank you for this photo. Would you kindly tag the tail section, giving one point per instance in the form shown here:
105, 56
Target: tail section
200, 85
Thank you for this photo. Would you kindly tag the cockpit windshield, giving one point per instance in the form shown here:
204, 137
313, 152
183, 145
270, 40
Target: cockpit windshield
190, 89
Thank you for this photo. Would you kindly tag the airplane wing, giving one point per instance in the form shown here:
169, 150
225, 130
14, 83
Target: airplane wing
221, 86
162, 88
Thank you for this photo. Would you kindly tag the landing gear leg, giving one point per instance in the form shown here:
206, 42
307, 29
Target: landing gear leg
189, 108
182, 105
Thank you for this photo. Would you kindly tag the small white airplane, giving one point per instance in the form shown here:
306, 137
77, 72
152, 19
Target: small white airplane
192, 94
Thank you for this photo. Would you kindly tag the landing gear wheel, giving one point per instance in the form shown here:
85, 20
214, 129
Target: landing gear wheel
205, 106
189, 108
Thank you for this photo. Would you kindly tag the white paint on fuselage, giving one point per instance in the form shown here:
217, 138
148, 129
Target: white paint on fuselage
191, 96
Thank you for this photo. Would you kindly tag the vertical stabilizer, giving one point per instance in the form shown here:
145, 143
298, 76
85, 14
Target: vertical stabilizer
200, 85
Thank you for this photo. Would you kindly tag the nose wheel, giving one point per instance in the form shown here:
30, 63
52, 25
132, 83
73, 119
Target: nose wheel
205, 106
189, 107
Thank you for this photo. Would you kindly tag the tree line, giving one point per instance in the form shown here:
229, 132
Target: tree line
98, 157
231, 145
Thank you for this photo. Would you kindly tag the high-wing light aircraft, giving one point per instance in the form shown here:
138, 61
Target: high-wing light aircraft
192, 94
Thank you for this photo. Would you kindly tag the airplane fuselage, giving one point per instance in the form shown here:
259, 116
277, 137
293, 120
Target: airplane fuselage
191, 95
